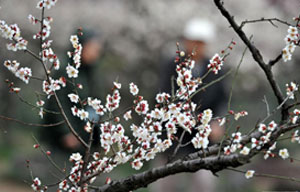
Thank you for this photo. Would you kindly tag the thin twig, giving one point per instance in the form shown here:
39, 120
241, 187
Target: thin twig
31, 124
270, 20
235, 76
268, 175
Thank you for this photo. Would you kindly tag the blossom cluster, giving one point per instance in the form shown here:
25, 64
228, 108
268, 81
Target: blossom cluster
72, 70
23, 73
290, 40
13, 33
200, 141
37, 185
46, 4
266, 134
113, 101
72, 183
54, 85
290, 89
186, 82
49, 55
159, 126
215, 63
46, 30
295, 116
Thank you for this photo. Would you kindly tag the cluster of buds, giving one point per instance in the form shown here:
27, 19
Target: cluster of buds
23, 73
290, 40
13, 33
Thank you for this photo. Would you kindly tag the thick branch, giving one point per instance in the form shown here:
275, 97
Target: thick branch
143, 179
193, 164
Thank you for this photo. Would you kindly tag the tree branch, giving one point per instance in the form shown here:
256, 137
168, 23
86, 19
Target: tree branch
256, 56
31, 124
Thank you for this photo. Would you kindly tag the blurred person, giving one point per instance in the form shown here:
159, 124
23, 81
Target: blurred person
197, 35
59, 137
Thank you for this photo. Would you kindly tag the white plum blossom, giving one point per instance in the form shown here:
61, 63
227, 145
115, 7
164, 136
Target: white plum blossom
74, 39
72, 71
245, 151
262, 128
142, 107
36, 185
63, 185
295, 137
137, 164
83, 115
113, 101
134, 90
88, 127
127, 115
283, 153
49, 89
215, 63
206, 116
75, 157
23, 73
272, 126
12, 33
290, 89
73, 97
249, 174
46, 4
290, 41
117, 85
200, 142
236, 137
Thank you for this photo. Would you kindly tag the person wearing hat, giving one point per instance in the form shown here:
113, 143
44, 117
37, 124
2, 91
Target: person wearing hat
197, 35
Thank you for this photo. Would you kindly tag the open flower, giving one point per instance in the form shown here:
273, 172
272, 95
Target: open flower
75, 157
249, 174
283, 153
134, 90
71, 71
73, 97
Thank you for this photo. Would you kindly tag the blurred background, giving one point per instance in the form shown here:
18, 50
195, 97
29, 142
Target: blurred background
137, 38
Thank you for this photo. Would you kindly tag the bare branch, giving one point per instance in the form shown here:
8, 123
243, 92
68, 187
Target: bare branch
256, 56
270, 20
31, 124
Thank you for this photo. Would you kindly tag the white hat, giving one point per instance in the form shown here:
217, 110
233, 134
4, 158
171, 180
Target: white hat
199, 30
